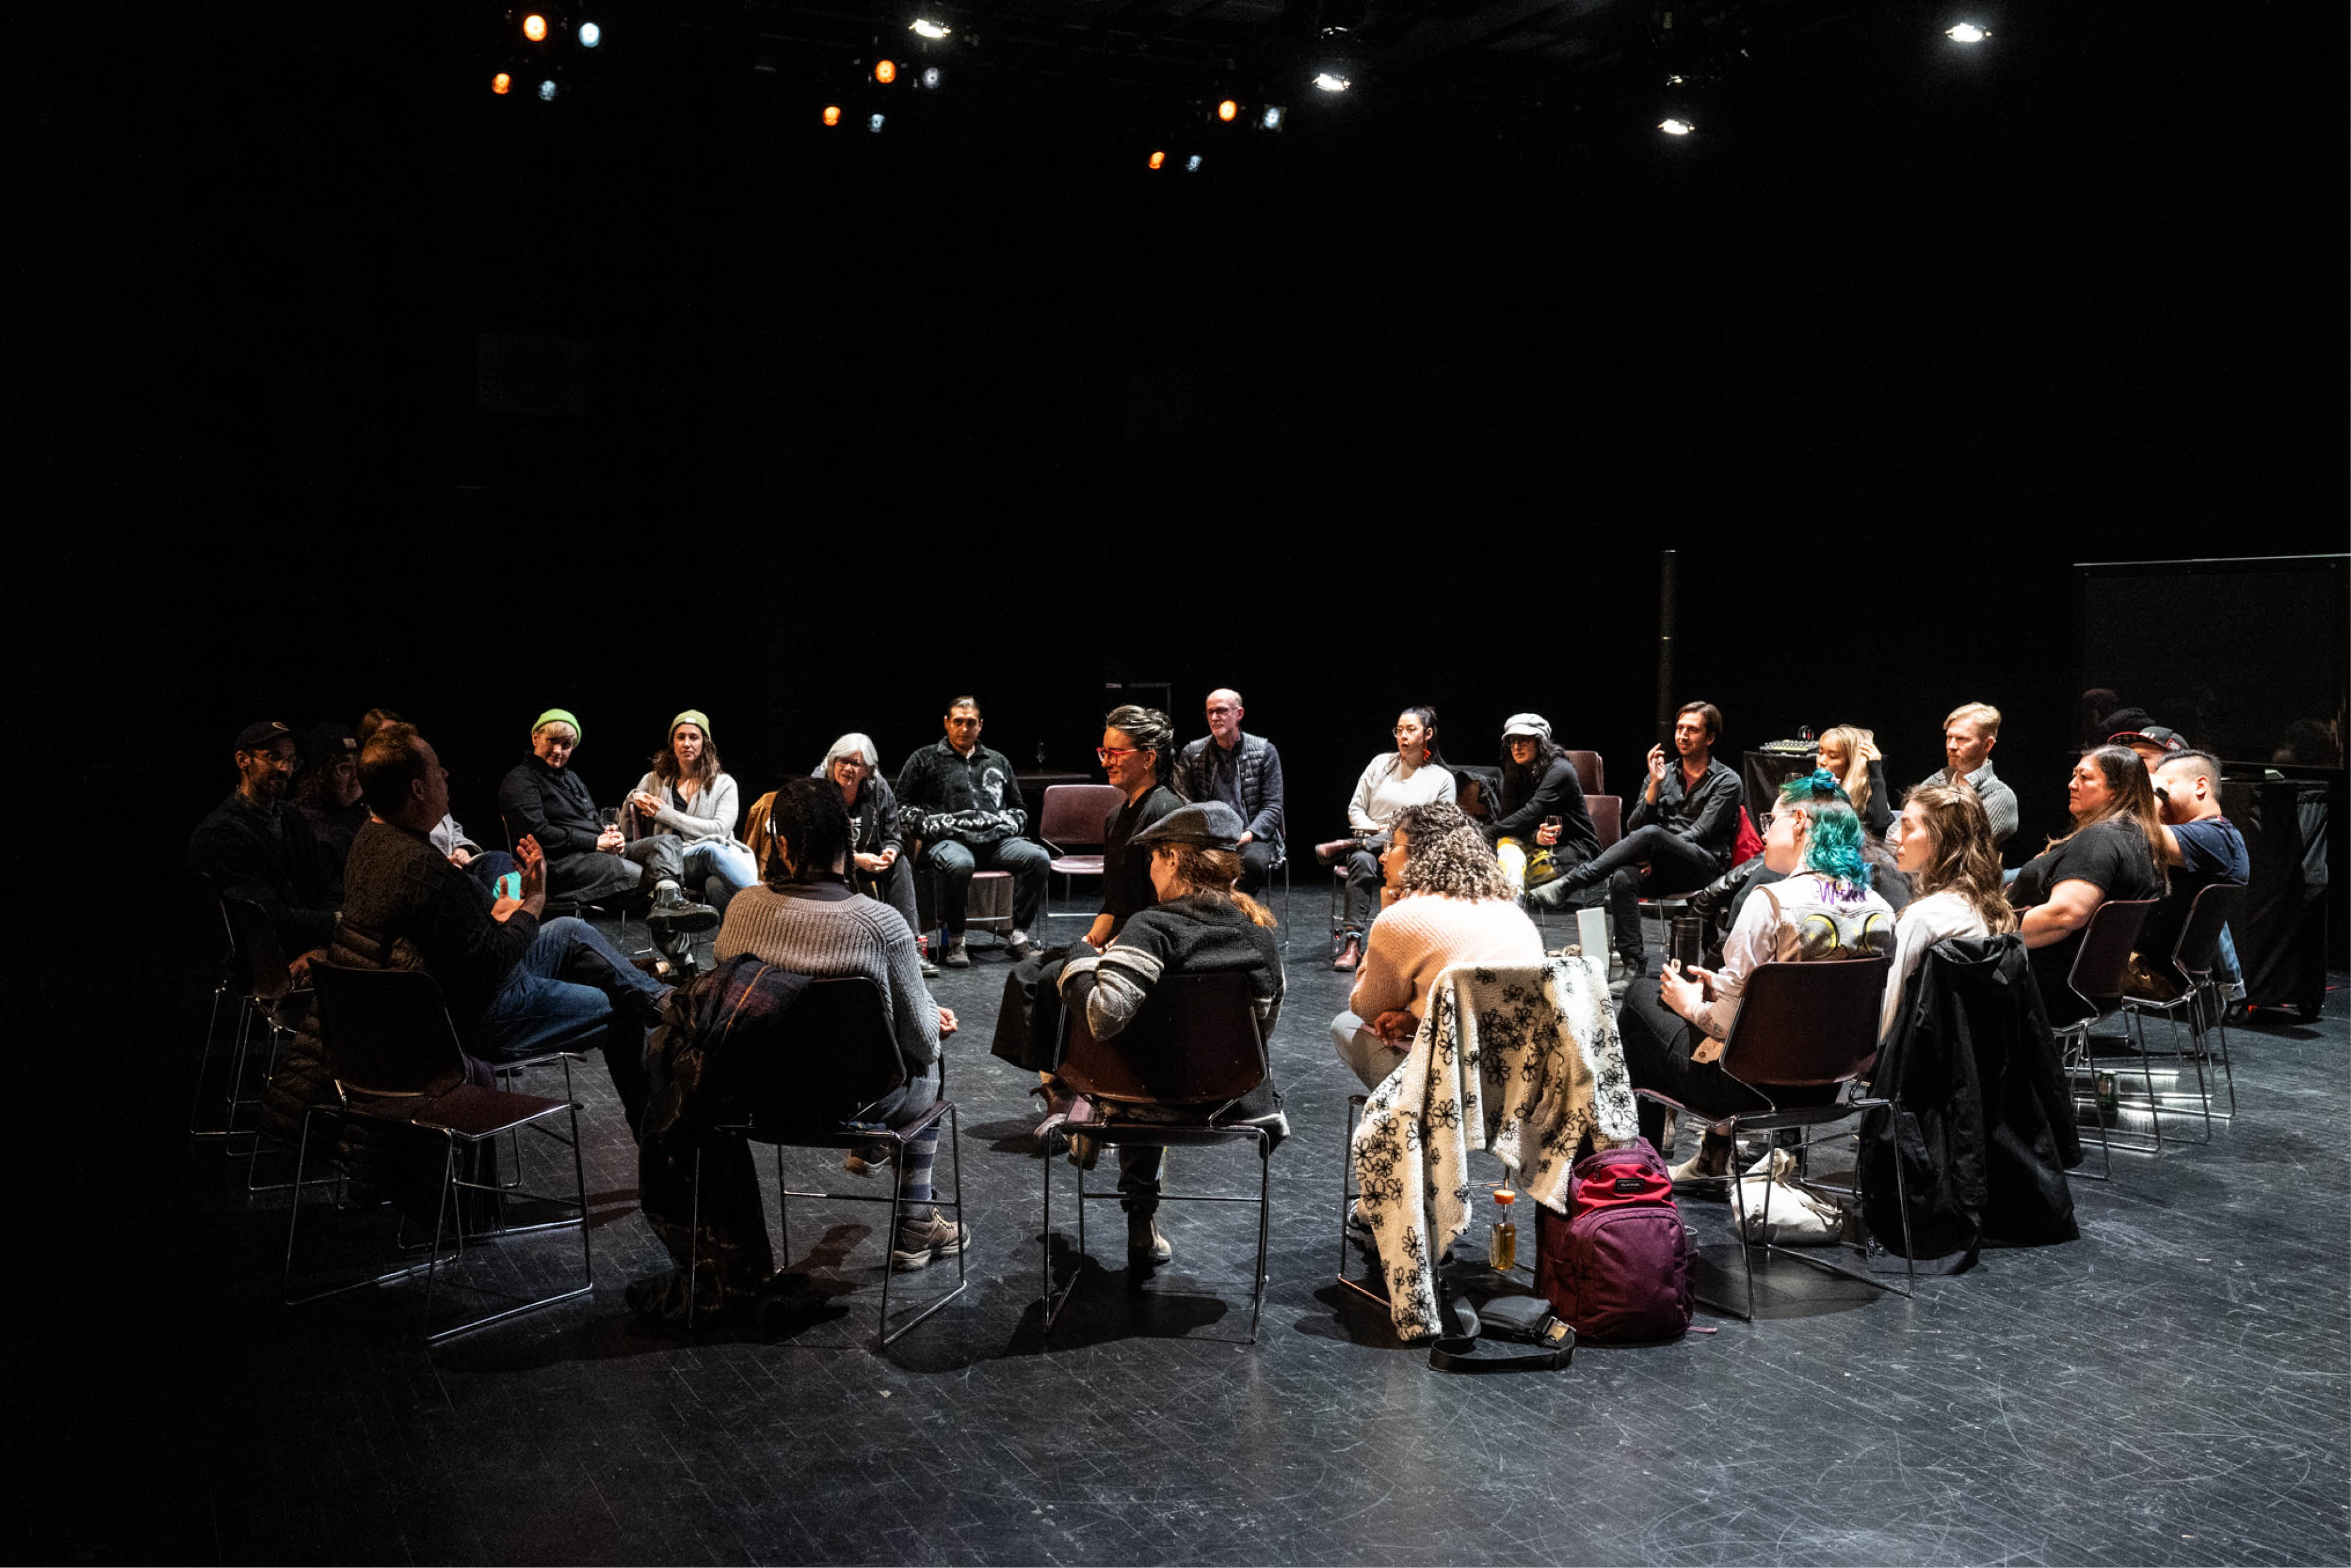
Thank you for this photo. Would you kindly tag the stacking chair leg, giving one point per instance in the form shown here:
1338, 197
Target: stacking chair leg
1349, 1194
204, 1070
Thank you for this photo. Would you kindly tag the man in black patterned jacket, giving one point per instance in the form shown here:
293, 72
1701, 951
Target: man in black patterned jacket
963, 802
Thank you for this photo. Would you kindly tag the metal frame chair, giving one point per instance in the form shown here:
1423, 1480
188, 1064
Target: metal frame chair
1805, 1025
269, 993
227, 980
833, 1058
2100, 969
1067, 807
1195, 1046
2194, 955
393, 1053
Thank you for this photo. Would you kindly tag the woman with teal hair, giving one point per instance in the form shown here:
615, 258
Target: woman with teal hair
1824, 909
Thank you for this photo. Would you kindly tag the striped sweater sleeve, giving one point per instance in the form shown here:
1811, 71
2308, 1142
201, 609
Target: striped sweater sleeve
1112, 986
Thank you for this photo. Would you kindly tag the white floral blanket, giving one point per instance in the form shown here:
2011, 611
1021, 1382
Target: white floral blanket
1523, 1060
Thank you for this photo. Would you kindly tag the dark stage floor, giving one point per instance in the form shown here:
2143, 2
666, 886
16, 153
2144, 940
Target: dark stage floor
2172, 1388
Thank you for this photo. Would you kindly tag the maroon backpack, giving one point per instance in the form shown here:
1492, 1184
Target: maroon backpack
1617, 1267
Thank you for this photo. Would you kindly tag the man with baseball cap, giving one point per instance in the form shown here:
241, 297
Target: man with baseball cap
256, 846
2153, 743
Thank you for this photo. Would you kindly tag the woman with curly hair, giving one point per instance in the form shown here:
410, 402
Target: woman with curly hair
1942, 842
1446, 902
1673, 1034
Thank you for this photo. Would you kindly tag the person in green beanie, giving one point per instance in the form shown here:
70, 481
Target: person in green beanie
687, 792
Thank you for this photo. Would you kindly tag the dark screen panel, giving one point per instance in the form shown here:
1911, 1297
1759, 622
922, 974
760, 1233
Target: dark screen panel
2249, 659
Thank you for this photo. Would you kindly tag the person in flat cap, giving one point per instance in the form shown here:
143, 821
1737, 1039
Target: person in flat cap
688, 793
1539, 784
327, 788
588, 856
254, 845
1202, 925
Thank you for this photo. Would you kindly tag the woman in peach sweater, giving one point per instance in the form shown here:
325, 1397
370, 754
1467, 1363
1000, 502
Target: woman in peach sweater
1445, 902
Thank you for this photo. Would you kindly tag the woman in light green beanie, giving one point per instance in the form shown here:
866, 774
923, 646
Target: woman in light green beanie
688, 793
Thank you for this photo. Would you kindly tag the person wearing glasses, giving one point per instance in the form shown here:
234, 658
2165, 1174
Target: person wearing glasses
879, 869
963, 801
1244, 771
1414, 774
1138, 754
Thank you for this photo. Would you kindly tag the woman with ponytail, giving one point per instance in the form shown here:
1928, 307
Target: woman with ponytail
1138, 754
1824, 909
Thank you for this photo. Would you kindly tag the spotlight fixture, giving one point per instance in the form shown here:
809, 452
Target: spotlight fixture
1272, 117
1330, 83
930, 78
502, 84
547, 90
832, 114
1674, 126
534, 28
1192, 164
1158, 160
886, 71
1966, 33
590, 35
924, 28
874, 124
1228, 112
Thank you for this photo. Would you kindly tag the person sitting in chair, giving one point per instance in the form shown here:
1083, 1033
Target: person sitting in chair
1539, 783
807, 918
1200, 925
1244, 771
2200, 847
962, 799
689, 793
1680, 836
1414, 774
1674, 1032
1447, 902
2115, 852
1942, 842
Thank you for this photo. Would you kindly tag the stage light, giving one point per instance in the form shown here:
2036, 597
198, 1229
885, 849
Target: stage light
1330, 83
832, 114
1966, 33
1272, 117
886, 71
546, 92
1192, 164
1673, 127
502, 84
534, 28
1158, 160
590, 35
1228, 111
924, 28
874, 124
931, 77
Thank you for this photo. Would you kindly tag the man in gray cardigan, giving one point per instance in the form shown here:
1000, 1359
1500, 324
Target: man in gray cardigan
1244, 771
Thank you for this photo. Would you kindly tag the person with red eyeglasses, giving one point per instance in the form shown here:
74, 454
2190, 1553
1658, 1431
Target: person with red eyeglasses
1138, 754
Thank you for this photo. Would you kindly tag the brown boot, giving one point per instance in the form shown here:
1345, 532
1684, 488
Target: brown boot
1348, 955
1337, 850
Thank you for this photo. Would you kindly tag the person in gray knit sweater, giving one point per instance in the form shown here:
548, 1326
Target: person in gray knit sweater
807, 918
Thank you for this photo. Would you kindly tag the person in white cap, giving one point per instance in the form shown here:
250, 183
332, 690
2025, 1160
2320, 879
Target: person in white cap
1539, 783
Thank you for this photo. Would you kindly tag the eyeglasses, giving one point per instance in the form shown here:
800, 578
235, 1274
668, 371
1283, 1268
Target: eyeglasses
1107, 752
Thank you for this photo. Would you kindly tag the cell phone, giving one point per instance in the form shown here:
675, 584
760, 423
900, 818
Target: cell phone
510, 886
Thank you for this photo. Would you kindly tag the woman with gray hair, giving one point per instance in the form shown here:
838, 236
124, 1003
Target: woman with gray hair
880, 870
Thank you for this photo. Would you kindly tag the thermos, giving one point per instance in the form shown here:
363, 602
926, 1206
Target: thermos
1689, 939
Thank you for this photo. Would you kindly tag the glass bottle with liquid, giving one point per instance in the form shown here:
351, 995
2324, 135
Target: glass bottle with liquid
1502, 1246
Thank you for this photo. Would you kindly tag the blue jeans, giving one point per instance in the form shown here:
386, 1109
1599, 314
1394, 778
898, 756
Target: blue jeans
2226, 970
729, 863
488, 866
572, 990
954, 863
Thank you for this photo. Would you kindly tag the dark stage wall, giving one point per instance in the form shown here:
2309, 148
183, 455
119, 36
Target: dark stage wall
828, 431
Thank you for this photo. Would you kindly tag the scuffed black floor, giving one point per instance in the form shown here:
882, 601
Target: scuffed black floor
2173, 1388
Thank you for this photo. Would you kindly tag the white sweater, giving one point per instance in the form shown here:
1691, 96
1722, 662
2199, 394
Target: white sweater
1923, 922
1386, 789
711, 814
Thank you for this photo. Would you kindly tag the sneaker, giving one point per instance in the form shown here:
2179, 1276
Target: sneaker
1348, 956
865, 1162
1146, 1248
1020, 946
922, 1240
958, 955
1711, 1162
930, 970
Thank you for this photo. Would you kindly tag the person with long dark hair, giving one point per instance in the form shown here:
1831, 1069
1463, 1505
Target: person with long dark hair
1674, 1032
1138, 756
1942, 842
688, 792
1414, 774
1539, 783
2115, 852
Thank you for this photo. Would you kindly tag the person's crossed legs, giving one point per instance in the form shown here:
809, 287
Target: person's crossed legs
572, 990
